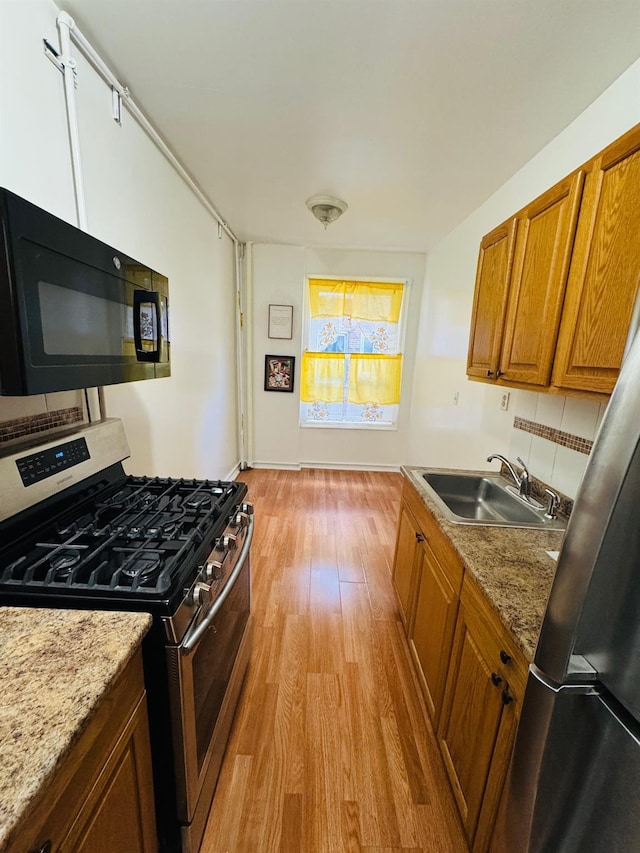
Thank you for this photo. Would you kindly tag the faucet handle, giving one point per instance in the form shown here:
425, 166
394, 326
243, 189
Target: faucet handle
525, 479
554, 503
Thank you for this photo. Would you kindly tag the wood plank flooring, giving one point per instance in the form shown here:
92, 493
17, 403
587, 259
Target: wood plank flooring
330, 749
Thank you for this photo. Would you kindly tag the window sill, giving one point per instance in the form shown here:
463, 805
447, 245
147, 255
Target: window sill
373, 427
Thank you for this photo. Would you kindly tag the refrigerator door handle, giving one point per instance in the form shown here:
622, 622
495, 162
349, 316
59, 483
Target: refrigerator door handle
528, 793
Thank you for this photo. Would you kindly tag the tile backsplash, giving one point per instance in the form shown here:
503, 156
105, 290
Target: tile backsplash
554, 436
557, 436
33, 424
22, 417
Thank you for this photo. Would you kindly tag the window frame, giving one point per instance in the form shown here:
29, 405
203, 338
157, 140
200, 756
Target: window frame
402, 330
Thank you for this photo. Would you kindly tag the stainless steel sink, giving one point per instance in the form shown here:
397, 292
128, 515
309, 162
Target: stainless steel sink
484, 499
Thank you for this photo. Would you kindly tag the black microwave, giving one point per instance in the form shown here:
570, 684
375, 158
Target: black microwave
74, 312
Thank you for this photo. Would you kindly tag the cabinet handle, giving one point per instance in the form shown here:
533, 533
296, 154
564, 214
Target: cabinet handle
419, 537
500, 373
489, 372
46, 848
504, 657
497, 681
506, 696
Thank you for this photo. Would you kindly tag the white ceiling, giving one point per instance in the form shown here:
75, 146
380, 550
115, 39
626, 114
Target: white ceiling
412, 111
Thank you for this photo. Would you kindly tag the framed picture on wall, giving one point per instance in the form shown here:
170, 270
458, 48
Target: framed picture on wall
279, 373
281, 321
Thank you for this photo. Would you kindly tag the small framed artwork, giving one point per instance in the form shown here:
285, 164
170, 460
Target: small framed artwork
281, 321
279, 372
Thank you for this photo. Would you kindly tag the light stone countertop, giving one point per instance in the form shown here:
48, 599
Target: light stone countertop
510, 565
55, 667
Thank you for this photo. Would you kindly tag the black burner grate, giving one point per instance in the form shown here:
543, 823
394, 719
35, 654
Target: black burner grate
142, 539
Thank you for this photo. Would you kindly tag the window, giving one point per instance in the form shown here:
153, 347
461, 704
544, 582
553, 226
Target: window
352, 364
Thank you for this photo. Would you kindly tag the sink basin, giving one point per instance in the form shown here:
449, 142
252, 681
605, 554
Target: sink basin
484, 499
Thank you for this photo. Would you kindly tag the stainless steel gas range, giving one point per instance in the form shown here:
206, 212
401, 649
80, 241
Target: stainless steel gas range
76, 531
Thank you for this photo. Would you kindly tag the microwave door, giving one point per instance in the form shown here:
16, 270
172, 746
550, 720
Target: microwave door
79, 325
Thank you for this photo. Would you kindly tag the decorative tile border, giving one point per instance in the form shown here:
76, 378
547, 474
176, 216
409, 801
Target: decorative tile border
33, 424
566, 439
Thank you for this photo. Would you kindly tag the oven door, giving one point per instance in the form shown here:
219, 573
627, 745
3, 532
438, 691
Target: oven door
206, 673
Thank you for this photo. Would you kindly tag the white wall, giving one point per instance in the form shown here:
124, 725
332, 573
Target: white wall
464, 435
279, 275
184, 425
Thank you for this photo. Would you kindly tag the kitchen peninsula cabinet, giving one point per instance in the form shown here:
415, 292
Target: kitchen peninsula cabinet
605, 271
554, 313
100, 799
484, 691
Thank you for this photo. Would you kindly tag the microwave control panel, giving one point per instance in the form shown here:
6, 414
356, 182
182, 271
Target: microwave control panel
49, 462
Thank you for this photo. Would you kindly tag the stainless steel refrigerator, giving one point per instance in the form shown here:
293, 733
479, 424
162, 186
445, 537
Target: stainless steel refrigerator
574, 785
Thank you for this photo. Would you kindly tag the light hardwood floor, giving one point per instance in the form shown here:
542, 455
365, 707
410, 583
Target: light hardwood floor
330, 749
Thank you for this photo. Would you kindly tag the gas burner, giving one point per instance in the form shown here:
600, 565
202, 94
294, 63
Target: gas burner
171, 529
122, 498
198, 500
143, 565
64, 561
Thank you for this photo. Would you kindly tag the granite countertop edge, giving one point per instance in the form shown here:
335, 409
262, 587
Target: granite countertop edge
57, 666
510, 564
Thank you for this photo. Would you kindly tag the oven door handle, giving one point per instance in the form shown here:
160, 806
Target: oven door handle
192, 637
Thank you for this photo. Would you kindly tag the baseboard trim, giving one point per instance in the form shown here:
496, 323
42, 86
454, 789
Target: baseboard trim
233, 473
330, 466
351, 466
278, 466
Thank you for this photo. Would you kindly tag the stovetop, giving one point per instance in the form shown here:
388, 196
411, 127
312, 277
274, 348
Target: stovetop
136, 543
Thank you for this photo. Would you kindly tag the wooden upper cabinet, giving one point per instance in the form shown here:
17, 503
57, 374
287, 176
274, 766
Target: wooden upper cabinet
490, 300
605, 271
556, 285
545, 235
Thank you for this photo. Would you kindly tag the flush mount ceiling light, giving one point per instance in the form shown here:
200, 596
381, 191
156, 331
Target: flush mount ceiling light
326, 208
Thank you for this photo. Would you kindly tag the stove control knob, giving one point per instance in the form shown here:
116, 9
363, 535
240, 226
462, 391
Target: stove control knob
229, 543
213, 570
246, 507
202, 594
241, 519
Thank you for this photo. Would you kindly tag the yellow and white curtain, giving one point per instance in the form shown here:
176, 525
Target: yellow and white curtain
352, 369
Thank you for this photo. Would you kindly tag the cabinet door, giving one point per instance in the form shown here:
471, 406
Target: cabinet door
490, 300
405, 563
605, 271
470, 723
433, 629
546, 230
118, 814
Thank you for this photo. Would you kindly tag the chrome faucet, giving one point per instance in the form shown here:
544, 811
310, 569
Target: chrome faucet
523, 480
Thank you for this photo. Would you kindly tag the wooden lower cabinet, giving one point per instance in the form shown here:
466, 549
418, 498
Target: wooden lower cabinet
101, 799
405, 562
427, 576
471, 671
483, 695
434, 619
